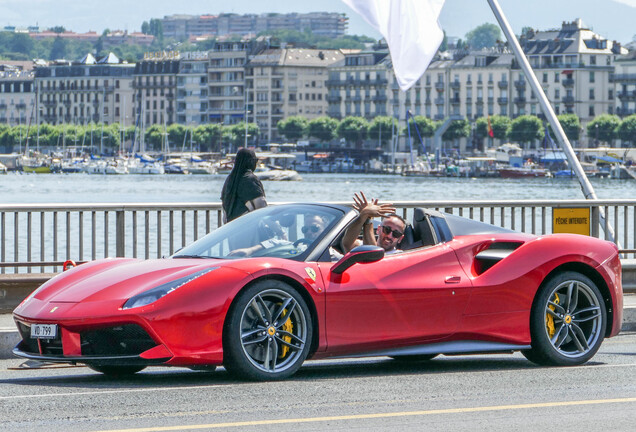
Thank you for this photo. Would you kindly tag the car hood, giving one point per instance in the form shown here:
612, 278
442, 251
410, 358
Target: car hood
112, 279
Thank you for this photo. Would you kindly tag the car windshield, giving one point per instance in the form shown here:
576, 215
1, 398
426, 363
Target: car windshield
285, 231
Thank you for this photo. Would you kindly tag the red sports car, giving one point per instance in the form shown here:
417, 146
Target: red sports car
269, 290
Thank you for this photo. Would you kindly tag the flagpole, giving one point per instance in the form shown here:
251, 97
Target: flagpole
586, 186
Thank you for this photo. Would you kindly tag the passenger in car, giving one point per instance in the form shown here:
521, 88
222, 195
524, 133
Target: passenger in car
389, 232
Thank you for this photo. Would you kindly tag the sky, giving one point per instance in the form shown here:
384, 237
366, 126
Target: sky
613, 19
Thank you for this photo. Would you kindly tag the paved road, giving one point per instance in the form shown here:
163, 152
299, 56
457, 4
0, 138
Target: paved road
480, 393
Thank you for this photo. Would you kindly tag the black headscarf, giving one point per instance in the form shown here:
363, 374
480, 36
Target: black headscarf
241, 185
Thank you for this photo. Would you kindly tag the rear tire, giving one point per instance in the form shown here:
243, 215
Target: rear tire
567, 321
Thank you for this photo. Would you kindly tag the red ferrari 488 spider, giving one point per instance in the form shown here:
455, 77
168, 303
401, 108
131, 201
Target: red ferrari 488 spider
269, 290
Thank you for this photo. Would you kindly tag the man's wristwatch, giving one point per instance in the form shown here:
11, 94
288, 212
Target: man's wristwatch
369, 221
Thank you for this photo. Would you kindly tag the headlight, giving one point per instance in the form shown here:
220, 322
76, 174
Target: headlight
154, 294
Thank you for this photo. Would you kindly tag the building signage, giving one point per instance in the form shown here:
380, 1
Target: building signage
162, 55
176, 55
571, 220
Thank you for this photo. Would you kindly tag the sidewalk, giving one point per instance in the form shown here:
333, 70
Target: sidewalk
9, 334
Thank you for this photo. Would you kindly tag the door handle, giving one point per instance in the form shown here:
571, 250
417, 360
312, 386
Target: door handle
453, 279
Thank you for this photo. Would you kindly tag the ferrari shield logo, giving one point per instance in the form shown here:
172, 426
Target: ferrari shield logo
311, 273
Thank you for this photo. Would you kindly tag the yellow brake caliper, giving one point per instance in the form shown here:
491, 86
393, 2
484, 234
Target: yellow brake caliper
289, 328
549, 320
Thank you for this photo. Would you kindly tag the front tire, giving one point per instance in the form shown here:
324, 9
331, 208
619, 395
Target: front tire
567, 322
268, 332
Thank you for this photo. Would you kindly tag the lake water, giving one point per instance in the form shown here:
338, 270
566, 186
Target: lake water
83, 188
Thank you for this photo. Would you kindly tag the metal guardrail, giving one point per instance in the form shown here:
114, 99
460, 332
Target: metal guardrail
38, 238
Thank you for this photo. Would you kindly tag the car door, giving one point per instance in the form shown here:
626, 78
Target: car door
404, 299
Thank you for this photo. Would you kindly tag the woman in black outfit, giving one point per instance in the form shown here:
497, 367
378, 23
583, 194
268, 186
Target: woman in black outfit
242, 191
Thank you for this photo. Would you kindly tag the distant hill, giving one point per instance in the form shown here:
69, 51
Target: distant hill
609, 18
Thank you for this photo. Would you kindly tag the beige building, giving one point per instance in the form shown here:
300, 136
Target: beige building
17, 97
155, 86
89, 91
288, 82
226, 81
358, 85
192, 88
624, 81
573, 64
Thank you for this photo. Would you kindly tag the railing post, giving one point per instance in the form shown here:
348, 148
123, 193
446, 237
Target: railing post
120, 233
596, 221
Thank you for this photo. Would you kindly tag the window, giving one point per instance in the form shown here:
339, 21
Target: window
592, 94
557, 77
592, 77
545, 77
591, 111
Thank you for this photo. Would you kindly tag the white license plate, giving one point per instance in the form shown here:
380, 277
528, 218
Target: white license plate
43, 331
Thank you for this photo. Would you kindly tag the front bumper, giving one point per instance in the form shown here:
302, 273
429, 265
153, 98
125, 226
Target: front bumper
116, 345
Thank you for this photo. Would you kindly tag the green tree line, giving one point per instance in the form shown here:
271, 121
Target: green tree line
93, 137
354, 130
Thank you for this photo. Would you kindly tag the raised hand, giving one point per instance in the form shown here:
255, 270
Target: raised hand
371, 208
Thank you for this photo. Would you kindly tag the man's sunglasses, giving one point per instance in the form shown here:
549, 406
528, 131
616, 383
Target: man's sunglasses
313, 228
387, 230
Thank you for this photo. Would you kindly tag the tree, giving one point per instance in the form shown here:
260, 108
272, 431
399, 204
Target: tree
353, 129
176, 134
500, 127
457, 129
627, 130
525, 129
208, 136
425, 126
292, 128
483, 36
571, 126
238, 133
154, 137
58, 49
58, 29
322, 128
381, 129
603, 127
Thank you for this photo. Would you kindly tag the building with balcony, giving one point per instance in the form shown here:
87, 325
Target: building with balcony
288, 82
226, 81
192, 88
624, 84
182, 27
155, 88
358, 84
573, 65
17, 96
87, 91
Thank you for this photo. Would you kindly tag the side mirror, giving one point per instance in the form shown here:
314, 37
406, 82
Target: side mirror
360, 254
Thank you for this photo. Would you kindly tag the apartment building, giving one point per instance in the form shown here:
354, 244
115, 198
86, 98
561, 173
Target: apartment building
358, 84
573, 65
226, 81
155, 87
624, 81
91, 90
182, 27
192, 88
287, 82
17, 99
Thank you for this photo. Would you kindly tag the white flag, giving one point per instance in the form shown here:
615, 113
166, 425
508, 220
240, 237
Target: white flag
411, 29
